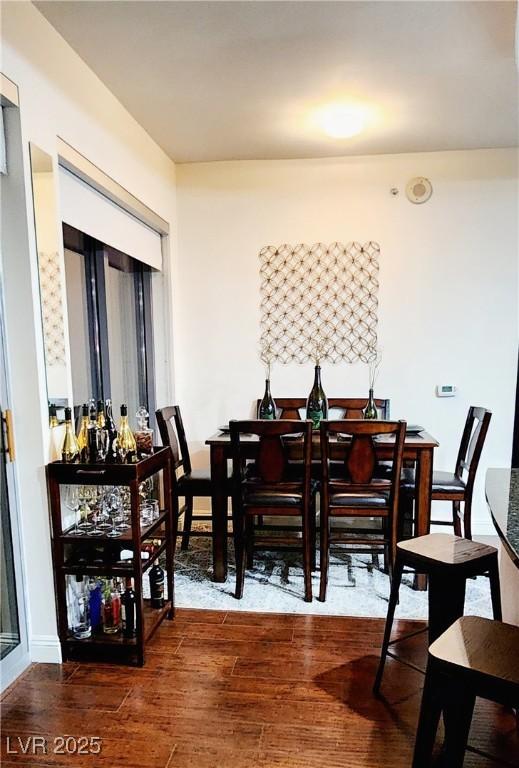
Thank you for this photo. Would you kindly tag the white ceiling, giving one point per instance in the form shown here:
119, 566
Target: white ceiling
238, 80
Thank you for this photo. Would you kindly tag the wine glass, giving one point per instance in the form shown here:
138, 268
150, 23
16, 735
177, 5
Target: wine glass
103, 516
95, 507
84, 496
113, 502
72, 503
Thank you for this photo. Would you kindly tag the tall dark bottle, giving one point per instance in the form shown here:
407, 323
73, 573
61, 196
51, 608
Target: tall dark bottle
267, 406
92, 436
111, 428
128, 604
317, 404
157, 586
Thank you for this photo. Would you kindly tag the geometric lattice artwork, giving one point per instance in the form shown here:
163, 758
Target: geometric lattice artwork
319, 302
52, 307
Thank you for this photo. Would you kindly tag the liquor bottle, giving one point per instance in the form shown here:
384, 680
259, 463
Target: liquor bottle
126, 445
82, 434
317, 404
111, 608
92, 436
111, 429
267, 407
143, 434
101, 419
157, 586
370, 411
53, 418
96, 599
70, 447
128, 604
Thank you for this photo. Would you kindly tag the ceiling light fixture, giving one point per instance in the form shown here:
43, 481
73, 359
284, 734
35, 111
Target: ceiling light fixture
340, 121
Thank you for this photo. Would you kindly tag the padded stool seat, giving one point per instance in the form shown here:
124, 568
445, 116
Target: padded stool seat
442, 482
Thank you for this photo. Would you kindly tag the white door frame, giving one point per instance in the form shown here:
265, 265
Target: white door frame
18, 659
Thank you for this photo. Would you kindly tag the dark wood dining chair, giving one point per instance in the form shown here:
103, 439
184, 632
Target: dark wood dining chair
268, 488
359, 492
348, 407
474, 657
190, 483
458, 486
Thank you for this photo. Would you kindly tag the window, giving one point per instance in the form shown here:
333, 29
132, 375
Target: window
109, 307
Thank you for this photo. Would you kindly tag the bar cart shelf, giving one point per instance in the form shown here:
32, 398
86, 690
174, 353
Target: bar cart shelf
99, 646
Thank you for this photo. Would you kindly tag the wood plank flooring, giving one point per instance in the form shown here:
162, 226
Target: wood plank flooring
240, 690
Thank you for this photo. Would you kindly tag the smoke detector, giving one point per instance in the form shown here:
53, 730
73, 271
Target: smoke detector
418, 190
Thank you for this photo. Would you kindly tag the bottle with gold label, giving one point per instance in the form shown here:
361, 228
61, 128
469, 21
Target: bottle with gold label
126, 445
70, 447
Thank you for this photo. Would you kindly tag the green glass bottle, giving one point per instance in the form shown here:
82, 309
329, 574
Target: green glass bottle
317, 404
267, 407
370, 411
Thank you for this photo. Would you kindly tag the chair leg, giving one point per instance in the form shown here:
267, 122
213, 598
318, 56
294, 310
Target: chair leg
430, 712
188, 519
239, 552
467, 519
249, 540
457, 717
405, 514
456, 521
308, 537
324, 548
393, 600
495, 589
313, 529
387, 553
446, 601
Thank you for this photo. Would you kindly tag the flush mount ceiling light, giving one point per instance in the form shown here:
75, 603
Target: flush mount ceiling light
340, 121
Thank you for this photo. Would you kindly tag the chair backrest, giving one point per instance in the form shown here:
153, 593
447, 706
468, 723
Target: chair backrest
271, 463
472, 441
358, 453
172, 433
346, 407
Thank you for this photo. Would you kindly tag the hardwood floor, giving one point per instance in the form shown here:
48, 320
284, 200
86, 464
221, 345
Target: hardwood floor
242, 690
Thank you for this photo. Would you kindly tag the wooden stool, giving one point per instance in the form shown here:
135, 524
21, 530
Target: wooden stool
474, 657
448, 561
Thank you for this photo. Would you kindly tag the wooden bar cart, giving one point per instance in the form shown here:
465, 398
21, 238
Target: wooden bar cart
66, 540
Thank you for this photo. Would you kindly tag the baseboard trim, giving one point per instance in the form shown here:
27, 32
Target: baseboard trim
45, 649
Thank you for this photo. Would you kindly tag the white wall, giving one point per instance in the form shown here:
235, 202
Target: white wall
448, 286
59, 96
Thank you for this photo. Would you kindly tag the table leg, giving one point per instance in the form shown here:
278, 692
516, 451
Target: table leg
424, 468
219, 512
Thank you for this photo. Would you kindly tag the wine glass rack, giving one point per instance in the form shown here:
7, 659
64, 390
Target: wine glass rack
66, 540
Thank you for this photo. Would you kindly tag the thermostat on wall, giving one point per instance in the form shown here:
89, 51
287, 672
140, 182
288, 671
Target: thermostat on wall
445, 390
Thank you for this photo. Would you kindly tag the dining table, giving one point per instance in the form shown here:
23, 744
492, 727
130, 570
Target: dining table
418, 448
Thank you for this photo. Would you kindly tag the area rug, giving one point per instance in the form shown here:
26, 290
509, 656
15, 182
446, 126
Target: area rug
357, 586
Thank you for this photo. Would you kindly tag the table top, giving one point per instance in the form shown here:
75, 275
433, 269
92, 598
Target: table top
502, 493
419, 440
